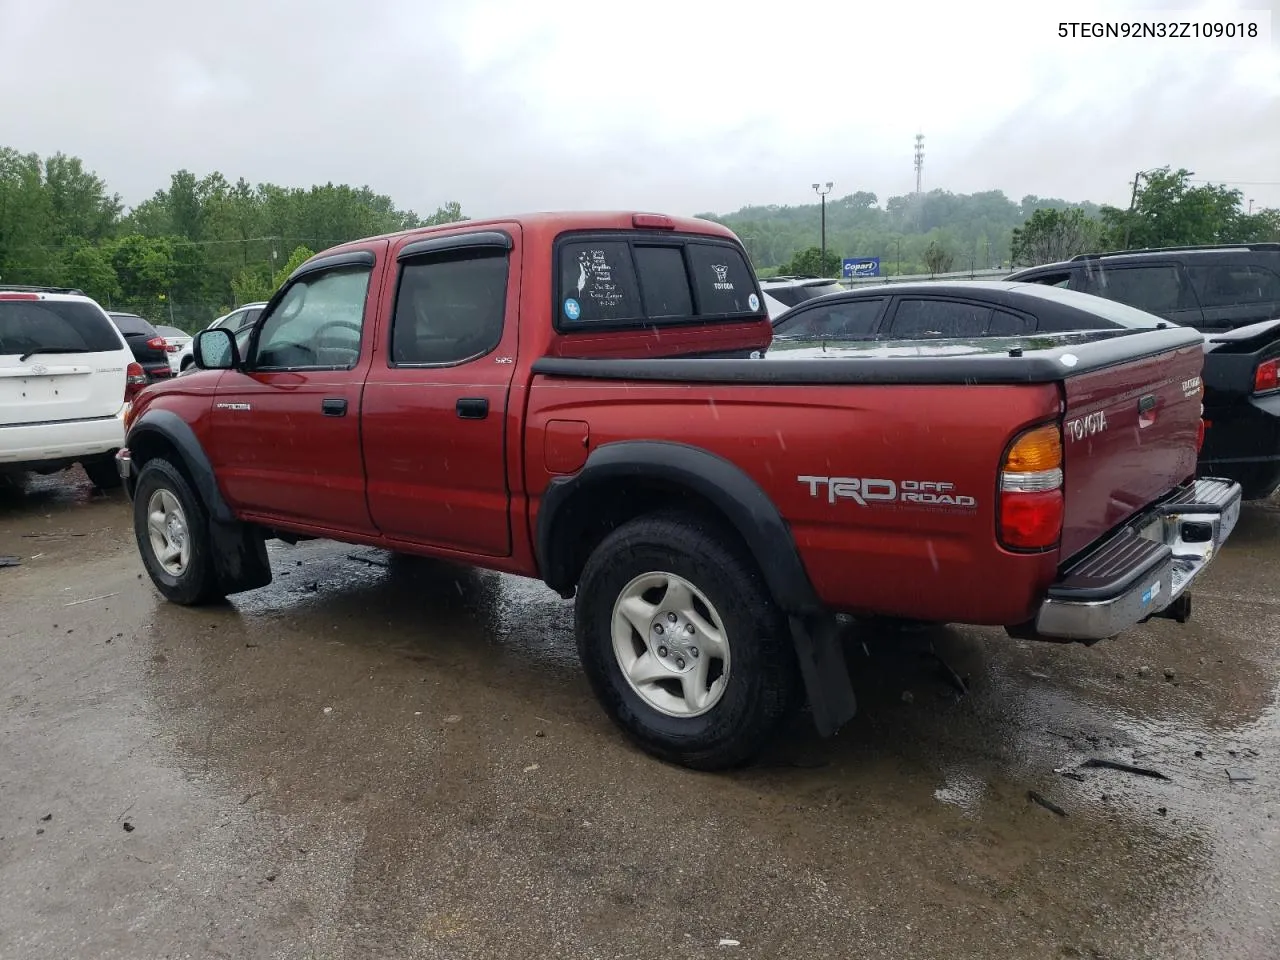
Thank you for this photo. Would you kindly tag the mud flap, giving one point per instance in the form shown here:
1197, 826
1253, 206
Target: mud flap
826, 676
239, 556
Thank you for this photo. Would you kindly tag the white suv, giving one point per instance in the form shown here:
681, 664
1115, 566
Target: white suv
66, 376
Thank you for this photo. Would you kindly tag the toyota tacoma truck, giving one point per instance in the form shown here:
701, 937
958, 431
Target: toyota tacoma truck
579, 398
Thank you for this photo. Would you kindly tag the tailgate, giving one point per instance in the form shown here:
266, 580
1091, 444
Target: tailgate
1130, 435
60, 388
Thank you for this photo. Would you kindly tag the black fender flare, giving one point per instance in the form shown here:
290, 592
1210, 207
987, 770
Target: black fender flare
239, 551
757, 520
168, 426
746, 506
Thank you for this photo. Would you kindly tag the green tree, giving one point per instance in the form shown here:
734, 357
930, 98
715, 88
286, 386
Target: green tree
809, 263
1167, 211
296, 259
1260, 227
144, 266
79, 205
253, 284
1053, 234
938, 259
90, 269
451, 212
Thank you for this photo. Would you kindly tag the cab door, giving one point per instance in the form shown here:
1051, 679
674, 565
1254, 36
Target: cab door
286, 427
436, 405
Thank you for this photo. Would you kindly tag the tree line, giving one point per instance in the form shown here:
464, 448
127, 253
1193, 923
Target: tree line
203, 245
194, 249
939, 231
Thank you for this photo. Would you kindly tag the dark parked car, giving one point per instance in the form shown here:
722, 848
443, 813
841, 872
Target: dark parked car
1211, 288
1231, 293
1242, 396
148, 346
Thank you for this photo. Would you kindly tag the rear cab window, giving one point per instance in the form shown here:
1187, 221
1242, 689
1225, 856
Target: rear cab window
63, 326
622, 280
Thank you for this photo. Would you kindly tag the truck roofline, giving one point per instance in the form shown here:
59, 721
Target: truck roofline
554, 221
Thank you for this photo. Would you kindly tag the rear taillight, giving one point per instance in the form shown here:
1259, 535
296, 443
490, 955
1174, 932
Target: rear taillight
19, 296
1267, 376
157, 343
135, 378
1031, 503
172, 347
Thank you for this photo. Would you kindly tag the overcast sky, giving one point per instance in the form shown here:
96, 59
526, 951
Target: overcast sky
514, 105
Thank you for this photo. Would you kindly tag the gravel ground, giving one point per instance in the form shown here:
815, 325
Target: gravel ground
379, 757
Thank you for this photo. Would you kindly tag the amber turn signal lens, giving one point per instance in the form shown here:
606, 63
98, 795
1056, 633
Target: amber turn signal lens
1036, 450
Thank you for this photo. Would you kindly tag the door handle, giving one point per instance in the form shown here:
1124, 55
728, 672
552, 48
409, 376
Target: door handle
333, 407
473, 408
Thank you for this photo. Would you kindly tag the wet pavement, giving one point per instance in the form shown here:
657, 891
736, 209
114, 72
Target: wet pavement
381, 757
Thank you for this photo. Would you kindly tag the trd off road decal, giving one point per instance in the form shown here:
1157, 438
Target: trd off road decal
873, 491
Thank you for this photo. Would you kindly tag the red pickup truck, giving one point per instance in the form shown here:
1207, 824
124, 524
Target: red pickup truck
580, 398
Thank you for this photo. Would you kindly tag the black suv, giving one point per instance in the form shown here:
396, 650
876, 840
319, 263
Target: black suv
1232, 295
1209, 288
149, 348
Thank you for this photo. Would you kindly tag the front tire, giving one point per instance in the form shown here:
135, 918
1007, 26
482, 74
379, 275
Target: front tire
682, 643
172, 529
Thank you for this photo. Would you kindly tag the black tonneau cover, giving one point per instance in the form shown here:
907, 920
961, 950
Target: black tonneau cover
1043, 358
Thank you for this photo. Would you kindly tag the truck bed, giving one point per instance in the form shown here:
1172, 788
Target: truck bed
890, 415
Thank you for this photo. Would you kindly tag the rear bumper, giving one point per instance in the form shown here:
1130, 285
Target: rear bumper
157, 370
62, 440
1145, 568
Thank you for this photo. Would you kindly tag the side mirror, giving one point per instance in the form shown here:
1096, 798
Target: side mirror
216, 349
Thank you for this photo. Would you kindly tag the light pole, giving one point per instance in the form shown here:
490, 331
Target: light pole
822, 189
1251, 206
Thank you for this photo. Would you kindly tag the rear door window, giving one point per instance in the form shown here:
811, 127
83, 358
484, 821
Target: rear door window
449, 309
925, 319
846, 320
64, 326
1157, 289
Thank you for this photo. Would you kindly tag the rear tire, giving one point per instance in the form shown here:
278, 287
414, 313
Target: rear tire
682, 643
172, 529
102, 473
